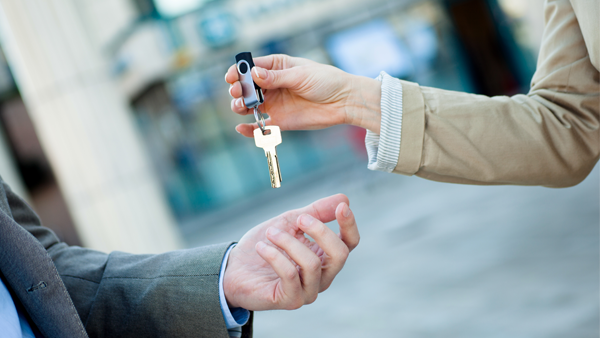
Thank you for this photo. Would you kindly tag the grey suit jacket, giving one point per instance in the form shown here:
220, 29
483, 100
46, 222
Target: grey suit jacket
75, 292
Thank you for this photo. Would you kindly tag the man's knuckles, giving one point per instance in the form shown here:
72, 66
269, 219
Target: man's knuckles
313, 264
341, 254
290, 275
311, 298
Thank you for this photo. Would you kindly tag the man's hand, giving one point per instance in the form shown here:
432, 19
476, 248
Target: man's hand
274, 266
303, 94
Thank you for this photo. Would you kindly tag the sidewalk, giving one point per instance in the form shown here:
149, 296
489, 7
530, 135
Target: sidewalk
444, 260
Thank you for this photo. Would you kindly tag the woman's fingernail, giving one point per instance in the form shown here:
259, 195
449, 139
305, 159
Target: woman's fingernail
305, 220
236, 129
261, 245
230, 88
239, 102
273, 231
225, 77
346, 210
260, 73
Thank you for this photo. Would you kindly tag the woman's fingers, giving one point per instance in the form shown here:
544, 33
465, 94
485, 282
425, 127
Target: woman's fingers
279, 61
269, 62
330, 243
232, 75
275, 79
247, 129
305, 258
348, 228
235, 90
238, 106
273, 61
292, 297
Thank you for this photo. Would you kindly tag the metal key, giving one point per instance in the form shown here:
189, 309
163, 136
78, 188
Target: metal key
268, 143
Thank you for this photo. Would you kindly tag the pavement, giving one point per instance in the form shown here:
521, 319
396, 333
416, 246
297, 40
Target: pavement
442, 260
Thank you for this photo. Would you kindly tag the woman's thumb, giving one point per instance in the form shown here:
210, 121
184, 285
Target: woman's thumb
273, 79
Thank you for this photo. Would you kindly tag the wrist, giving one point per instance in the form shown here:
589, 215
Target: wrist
363, 103
228, 289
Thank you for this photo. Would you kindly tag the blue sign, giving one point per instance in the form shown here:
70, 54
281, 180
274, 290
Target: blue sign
217, 27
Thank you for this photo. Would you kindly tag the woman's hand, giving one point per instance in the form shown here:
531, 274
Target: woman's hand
303, 94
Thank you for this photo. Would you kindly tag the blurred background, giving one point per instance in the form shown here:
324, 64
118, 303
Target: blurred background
115, 125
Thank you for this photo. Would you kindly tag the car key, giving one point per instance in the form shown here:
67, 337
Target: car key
268, 141
265, 137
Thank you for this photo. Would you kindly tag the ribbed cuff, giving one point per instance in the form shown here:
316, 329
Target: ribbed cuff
383, 149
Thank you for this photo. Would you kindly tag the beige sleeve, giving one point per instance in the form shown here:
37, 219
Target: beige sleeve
548, 137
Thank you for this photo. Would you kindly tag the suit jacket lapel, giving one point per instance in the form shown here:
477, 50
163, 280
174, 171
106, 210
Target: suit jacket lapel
30, 272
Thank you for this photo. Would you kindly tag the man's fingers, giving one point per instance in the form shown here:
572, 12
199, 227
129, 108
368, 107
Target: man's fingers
330, 243
287, 272
323, 209
348, 228
310, 264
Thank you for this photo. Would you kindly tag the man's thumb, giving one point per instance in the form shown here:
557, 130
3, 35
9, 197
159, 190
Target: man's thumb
273, 79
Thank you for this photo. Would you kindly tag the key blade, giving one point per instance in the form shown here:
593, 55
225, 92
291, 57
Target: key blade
268, 143
274, 171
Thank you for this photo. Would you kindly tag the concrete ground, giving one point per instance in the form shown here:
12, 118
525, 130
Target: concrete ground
442, 260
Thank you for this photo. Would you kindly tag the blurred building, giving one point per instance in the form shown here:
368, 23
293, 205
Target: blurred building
152, 73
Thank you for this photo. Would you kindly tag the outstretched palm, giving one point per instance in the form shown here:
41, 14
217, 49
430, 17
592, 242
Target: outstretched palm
267, 277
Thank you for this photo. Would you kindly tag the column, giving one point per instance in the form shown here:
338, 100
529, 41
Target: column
86, 128
8, 168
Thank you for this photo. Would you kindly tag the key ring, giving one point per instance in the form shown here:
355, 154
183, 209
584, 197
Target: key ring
258, 116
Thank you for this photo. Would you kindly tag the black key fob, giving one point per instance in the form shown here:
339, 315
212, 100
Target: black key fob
253, 95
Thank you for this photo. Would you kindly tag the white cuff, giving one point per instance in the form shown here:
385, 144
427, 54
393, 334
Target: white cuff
383, 149
237, 317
